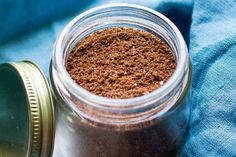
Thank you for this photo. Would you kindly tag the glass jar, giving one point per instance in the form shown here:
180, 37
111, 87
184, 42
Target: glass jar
152, 125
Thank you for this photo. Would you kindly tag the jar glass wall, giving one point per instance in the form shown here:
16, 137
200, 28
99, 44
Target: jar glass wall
151, 125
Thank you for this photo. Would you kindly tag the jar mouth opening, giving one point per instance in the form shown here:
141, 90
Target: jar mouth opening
182, 61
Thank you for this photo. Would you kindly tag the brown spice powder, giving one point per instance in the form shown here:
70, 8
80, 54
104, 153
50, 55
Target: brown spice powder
121, 62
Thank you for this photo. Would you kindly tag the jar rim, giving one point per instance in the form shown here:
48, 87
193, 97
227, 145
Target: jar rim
135, 102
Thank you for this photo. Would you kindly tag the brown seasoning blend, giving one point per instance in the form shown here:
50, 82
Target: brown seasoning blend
121, 62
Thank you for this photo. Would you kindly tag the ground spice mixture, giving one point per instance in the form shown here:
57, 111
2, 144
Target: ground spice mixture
121, 62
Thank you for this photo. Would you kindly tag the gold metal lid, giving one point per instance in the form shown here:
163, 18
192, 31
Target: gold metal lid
26, 105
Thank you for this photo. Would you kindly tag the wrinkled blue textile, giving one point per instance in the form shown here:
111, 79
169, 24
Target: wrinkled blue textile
29, 28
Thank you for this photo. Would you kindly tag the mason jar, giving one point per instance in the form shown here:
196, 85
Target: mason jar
152, 125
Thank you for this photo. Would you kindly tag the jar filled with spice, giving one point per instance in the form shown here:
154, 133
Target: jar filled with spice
120, 82
94, 117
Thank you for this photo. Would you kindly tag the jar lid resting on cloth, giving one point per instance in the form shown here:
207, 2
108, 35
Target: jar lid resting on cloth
26, 111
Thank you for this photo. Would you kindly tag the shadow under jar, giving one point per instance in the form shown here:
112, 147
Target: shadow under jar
151, 125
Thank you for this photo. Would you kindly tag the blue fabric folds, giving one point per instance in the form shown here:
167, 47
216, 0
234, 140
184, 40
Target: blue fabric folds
28, 30
20, 16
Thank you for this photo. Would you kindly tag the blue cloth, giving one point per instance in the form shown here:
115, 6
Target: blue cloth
209, 28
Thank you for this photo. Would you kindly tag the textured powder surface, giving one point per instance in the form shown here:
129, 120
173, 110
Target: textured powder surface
121, 62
